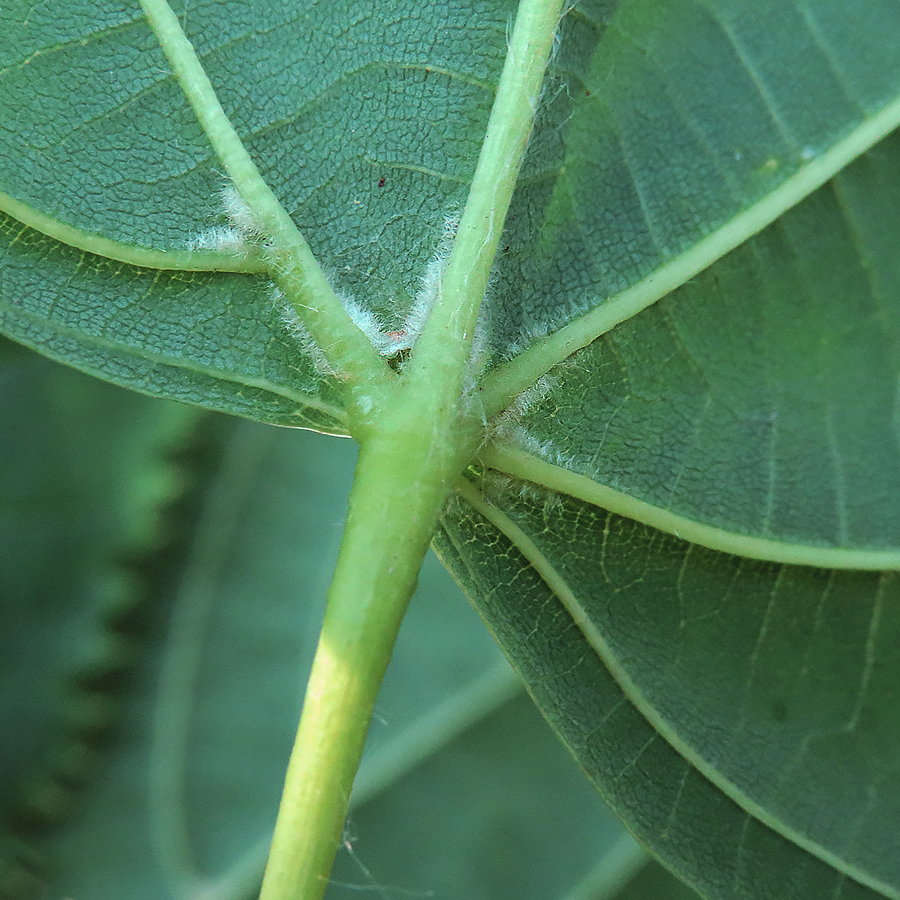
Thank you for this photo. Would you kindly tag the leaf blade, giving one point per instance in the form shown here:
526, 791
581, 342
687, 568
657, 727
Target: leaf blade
648, 76
754, 409
597, 643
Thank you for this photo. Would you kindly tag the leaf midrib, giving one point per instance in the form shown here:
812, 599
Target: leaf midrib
504, 383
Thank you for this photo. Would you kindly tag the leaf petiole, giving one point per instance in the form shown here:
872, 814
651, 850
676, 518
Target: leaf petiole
416, 433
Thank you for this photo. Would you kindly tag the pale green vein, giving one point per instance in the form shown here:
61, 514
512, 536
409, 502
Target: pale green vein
296, 269
449, 331
250, 263
515, 461
509, 380
557, 584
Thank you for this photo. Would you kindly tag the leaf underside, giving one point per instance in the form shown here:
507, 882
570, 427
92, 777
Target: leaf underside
751, 724
761, 397
736, 712
632, 163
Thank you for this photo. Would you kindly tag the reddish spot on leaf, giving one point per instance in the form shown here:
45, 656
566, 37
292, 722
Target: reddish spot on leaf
381, 181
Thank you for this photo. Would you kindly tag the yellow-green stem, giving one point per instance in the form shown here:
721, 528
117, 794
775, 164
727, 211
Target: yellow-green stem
416, 433
400, 484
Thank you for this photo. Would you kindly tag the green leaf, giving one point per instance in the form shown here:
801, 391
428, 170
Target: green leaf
754, 409
139, 327
757, 402
692, 119
72, 510
732, 701
160, 350
633, 169
740, 716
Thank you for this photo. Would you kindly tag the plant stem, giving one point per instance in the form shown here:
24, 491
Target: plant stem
410, 454
400, 484
415, 433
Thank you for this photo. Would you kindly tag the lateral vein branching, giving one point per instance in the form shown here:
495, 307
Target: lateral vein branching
451, 328
294, 267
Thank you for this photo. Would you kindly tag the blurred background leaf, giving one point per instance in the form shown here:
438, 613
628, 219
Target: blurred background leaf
464, 792
84, 475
